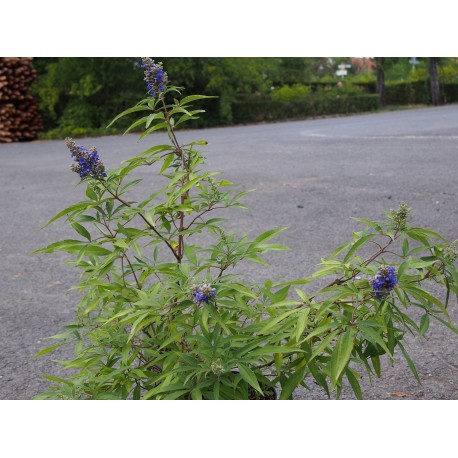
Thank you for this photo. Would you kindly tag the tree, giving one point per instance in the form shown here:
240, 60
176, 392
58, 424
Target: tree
434, 80
380, 61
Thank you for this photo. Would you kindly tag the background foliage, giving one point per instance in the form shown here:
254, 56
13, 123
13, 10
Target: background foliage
79, 96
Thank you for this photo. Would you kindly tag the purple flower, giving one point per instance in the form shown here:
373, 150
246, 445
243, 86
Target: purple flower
203, 293
384, 281
88, 163
155, 76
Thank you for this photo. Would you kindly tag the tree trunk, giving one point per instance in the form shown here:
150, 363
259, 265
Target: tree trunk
381, 80
434, 81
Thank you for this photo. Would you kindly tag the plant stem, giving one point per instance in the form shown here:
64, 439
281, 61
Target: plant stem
127, 204
183, 197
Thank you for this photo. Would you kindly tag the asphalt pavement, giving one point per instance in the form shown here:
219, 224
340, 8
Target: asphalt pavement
311, 175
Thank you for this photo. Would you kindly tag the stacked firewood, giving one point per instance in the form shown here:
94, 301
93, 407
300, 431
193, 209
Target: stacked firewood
19, 116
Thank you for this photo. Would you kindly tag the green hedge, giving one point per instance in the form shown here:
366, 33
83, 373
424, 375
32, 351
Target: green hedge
409, 93
370, 87
449, 92
264, 109
418, 92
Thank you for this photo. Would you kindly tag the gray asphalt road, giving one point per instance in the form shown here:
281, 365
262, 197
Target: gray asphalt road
312, 176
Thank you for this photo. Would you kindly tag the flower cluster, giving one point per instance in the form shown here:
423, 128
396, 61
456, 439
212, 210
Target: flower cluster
203, 293
399, 217
450, 252
88, 163
384, 281
155, 76
217, 367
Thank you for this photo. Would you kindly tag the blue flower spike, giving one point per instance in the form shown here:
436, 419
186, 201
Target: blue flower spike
88, 163
384, 281
203, 293
155, 76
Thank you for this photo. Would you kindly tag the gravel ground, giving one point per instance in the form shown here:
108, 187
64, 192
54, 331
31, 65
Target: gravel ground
312, 176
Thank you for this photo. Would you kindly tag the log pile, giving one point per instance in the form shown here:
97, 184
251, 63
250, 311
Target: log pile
19, 116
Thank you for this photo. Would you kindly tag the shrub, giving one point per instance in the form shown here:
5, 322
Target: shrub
258, 109
287, 93
162, 317
411, 93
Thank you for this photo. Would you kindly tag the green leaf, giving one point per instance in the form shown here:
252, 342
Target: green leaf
136, 124
301, 323
71, 209
424, 324
128, 111
341, 354
376, 363
161, 125
96, 250
424, 232
358, 244
151, 118
215, 314
292, 383
267, 235
196, 394
241, 289
340, 249
409, 362
167, 161
191, 98
372, 336
63, 245
370, 223
354, 383
81, 230
137, 393
324, 344
278, 359
319, 377
249, 376
49, 349
90, 194
57, 379
321, 330
272, 322
272, 349
121, 243
190, 253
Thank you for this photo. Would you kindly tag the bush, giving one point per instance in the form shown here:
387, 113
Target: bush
162, 317
411, 93
262, 109
296, 92
449, 92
